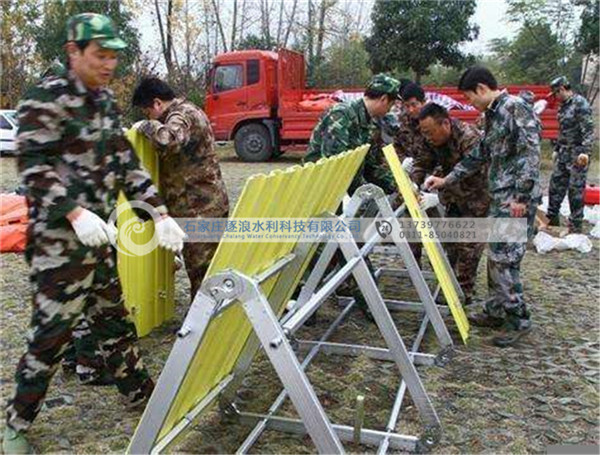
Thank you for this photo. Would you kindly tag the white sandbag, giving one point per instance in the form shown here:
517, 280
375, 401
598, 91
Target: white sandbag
544, 243
596, 231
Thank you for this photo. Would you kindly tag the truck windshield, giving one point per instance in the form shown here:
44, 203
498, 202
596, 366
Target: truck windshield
228, 77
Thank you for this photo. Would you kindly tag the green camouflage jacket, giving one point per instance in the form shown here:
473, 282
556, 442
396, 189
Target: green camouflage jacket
511, 149
576, 133
190, 176
470, 194
347, 126
72, 152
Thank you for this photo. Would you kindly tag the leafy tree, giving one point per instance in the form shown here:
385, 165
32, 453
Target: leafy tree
255, 42
588, 39
345, 64
534, 56
413, 34
17, 53
50, 32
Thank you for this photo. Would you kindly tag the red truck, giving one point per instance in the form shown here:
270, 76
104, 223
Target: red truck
259, 100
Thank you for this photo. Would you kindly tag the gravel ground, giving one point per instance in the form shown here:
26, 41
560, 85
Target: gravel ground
543, 391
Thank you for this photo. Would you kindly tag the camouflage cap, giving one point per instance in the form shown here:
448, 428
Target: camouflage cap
560, 81
91, 26
384, 84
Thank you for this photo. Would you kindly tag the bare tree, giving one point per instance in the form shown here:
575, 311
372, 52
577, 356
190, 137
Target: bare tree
290, 20
234, 24
219, 24
166, 37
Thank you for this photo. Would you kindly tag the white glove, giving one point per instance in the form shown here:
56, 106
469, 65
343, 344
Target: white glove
112, 233
90, 228
429, 200
407, 164
539, 106
170, 235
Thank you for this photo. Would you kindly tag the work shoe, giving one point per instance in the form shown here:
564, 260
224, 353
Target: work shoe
484, 320
554, 220
15, 442
509, 336
574, 228
103, 378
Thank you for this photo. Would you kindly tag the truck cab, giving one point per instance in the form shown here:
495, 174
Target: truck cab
241, 102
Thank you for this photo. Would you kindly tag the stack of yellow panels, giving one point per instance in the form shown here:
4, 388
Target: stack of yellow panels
296, 192
148, 281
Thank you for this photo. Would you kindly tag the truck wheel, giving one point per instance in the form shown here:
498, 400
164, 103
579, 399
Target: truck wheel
253, 143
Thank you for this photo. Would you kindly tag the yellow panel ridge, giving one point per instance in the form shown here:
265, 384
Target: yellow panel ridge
433, 249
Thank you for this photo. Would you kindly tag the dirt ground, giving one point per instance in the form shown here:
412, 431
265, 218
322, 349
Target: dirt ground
541, 392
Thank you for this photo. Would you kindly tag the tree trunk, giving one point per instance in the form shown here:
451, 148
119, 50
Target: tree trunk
279, 24
165, 49
219, 25
290, 23
234, 25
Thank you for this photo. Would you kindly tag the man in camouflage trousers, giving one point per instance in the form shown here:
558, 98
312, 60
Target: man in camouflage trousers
449, 142
190, 177
347, 126
74, 160
571, 155
511, 149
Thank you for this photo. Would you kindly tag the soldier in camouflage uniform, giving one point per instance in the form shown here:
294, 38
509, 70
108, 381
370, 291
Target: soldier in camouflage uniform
190, 177
347, 126
74, 160
409, 143
449, 142
511, 149
572, 153
82, 355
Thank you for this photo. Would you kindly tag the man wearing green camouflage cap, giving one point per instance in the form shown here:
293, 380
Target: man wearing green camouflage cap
347, 126
74, 160
571, 154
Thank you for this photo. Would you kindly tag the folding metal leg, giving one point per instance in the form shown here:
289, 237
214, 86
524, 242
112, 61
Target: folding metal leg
283, 359
386, 325
171, 378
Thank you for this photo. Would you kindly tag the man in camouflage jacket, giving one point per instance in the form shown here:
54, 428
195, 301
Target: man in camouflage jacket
347, 126
449, 141
572, 153
74, 160
189, 175
511, 149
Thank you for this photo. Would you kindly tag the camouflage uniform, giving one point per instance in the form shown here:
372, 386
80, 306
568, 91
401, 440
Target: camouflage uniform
72, 153
511, 148
347, 126
410, 143
190, 177
576, 136
82, 354
467, 198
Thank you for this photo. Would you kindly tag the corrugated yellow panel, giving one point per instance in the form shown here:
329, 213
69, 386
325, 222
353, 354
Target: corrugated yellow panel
432, 248
148, 281
296, 192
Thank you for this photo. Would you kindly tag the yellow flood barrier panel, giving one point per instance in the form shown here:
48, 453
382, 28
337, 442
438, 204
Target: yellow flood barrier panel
433, 248
296, 192
148, 280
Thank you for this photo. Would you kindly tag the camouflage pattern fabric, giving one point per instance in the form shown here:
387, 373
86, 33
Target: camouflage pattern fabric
384, 84
470, 195
576, 136
344, 127
72, 153
190, 176
511, 150
408, 141
467, 198
91, 26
